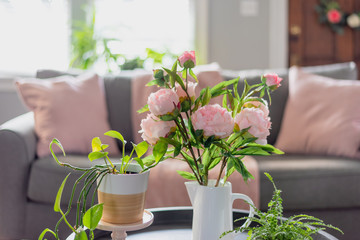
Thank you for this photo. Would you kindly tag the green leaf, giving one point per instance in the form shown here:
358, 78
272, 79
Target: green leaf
81, 235
206, 97
92, 216
57, 142
171, 141
185, 105
158, 73
209, 141
159, 150
267, 147
44, 232
222, 85
240, 167
140, 162
143, 109
214, 162
97, 155
222, 145
252, 151
168, 117
57, 207
141, 148
158, 82
186, 175
96, 144
148, 160
115, 134
193, 75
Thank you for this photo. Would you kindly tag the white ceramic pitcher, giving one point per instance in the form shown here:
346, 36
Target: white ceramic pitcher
212, 214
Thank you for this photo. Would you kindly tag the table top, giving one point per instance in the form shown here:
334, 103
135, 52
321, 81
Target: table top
174, 223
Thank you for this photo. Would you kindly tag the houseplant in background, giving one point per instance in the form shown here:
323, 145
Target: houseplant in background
205, 135
104, 179
272, 224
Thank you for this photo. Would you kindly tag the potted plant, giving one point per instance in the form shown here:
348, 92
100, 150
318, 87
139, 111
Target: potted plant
272, 225
183, 126
128, 189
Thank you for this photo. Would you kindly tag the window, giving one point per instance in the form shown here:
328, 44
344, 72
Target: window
33, 34
36, 34
162, 25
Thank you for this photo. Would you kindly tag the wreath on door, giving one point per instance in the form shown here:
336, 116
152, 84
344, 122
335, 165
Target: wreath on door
331, 14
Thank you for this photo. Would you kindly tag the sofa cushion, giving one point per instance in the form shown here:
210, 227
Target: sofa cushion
311, 182
322, 116
68, 108
279, 97
118, 98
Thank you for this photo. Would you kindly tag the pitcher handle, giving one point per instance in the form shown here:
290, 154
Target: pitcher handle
245, 198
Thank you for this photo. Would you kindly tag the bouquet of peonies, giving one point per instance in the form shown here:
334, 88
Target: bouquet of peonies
183, 126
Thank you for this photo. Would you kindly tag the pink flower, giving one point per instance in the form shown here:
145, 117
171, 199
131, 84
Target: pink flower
152, 128
162, 102
187, 59
214, 120
272, 80
333, 16
258, 122
182, 94
259, 105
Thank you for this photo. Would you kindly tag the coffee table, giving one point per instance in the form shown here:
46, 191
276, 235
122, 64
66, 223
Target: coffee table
174, 223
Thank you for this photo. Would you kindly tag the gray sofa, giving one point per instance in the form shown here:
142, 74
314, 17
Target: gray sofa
327, 187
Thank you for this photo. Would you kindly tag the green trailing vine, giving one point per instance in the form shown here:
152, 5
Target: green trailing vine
330, 13
88, 219
271, 225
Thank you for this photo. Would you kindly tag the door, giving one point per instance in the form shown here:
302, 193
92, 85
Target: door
314, 43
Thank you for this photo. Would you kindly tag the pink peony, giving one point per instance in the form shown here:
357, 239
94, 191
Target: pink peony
186, 56
162, 102
259, 105
333, 16
152, 128
272, 80
214, 120
258, 122
182, 94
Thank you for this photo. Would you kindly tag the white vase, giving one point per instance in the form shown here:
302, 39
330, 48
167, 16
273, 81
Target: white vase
123, 196
212, 209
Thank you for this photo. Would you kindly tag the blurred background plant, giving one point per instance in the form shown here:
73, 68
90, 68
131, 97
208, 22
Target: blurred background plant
90, 50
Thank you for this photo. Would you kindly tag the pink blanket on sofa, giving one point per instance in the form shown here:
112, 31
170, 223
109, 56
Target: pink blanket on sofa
166, 188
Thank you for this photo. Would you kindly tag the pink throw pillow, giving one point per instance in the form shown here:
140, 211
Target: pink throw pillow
70, 109
322, 116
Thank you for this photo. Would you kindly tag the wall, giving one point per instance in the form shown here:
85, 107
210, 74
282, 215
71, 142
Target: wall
245, 34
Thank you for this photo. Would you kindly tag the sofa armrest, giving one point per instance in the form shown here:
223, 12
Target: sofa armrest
17, 148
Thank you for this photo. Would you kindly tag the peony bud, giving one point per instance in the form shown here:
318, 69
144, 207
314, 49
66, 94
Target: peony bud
272, 80
187, 59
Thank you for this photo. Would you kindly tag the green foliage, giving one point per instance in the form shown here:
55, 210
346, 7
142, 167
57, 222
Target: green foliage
89, 48
271, 225
98, 152
92, 216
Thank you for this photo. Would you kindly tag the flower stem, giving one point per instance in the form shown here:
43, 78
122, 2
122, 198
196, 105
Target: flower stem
221, 170
185, 136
